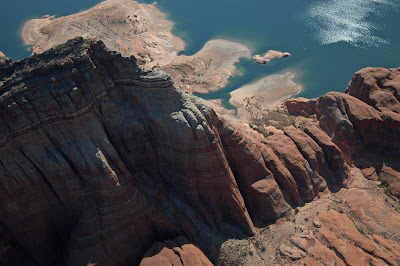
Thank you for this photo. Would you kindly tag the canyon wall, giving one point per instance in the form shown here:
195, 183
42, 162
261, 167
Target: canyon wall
100, 159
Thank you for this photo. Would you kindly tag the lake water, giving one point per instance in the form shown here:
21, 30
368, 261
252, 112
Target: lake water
329, 39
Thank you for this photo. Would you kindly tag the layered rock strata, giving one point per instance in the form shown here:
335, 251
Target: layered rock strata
100, 159
363, 122
179, 252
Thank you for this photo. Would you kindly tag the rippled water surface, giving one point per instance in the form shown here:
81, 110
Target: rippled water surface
356, 22
329, 39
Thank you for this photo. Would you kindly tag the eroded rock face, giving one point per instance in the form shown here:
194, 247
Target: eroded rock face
379, 87
364, 123
178, 252
92, 148
101, 159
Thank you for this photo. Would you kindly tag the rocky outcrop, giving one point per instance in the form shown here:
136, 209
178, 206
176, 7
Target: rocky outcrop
100, 159
378, 87
269, 56
338, 242
363, 123
96, 155
179, 252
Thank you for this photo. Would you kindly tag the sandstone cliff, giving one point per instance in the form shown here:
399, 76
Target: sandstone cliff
100, 159
364, 122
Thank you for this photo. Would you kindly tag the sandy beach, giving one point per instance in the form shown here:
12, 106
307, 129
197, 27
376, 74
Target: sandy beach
2, 54
254, 100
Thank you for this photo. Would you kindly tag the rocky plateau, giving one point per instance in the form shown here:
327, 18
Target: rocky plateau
103, 162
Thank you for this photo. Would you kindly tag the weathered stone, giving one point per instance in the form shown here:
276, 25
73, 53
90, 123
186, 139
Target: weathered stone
178, 252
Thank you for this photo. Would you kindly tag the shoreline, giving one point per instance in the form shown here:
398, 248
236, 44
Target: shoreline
141, 30
255, 99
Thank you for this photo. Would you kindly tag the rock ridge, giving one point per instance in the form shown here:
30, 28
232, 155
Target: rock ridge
100, 159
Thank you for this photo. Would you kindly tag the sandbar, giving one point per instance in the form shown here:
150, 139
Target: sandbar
256, 99
210, 68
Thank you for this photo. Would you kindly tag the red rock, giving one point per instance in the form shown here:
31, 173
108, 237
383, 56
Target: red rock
313, 248
378, 87
334, 157
370, 173
293, 253
178, 252
392, 178
341, 232
91, 147
308, 184
256, 181
100, 159
300, 106
314, 155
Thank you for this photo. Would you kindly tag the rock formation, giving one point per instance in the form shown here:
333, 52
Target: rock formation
101, 159
364, 122
378, 87
269, 56
179, 252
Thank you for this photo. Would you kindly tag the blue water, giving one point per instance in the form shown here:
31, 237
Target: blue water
329, 39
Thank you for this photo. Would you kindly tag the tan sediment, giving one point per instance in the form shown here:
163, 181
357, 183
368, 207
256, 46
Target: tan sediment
124, 26
210, 68
254, 100
216, 104
2, 54
269, 56
143, 31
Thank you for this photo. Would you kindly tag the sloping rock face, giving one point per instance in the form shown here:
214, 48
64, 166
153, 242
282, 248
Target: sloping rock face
91, 149
378, 87
179, 252
100, 159
364, 122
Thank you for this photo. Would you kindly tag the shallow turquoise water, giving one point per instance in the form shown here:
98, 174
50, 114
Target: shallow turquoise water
329, 39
